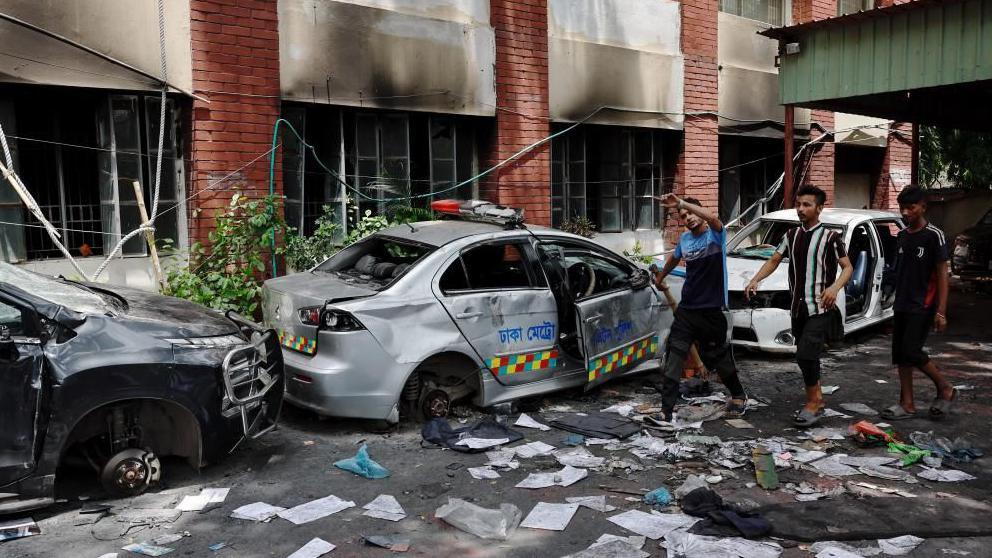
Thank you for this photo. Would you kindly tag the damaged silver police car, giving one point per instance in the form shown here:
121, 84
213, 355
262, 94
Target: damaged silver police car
112, 378
414, 317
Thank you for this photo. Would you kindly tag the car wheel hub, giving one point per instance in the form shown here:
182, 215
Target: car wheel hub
436, 404
130, 471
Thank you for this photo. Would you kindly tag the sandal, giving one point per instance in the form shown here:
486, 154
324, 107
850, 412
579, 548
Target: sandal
942, 407
736, 407
896, 412
806, 418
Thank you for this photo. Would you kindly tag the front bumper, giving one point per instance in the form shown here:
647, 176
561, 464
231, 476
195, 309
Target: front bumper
349, 376
763, 329
253, 377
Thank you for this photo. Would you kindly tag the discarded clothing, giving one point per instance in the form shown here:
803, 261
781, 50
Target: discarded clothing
363, 465
438, 432
701, 501
598, 425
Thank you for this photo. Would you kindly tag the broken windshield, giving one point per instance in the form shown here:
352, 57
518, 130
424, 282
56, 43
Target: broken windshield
760, 239
65, 293
375, 261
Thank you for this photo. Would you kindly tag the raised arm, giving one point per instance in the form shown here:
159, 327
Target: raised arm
671, 201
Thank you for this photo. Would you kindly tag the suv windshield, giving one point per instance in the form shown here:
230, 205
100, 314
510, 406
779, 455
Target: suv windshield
760, 239
59, 291
375, 261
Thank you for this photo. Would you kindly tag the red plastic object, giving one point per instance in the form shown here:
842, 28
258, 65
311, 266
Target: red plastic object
446, 206
869, 429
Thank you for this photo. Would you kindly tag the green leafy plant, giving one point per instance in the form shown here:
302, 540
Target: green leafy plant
958, 157
304, 252
581, 226
636, 254
227, 274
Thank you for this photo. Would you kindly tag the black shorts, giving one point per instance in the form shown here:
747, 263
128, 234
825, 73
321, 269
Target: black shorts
813, 332
708, 328
909, 334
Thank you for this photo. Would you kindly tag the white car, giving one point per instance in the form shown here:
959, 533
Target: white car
764, 323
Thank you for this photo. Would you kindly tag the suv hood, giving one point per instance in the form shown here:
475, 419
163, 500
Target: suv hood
741, 270
171, 316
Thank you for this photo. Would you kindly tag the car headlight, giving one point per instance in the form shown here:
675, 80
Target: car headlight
217, 341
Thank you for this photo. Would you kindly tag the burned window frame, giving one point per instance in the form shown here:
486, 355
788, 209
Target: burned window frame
759, 10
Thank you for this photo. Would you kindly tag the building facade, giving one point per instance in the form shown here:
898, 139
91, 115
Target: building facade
386, 102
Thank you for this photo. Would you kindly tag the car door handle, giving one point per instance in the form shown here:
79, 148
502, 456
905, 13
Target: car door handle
466, 315
593, 318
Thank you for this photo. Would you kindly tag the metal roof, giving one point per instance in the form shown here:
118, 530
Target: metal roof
926, 61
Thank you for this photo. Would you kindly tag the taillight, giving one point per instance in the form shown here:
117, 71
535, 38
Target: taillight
337, 320
310, 316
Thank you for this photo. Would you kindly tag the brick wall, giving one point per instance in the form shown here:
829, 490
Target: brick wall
697, 170
897, 165
235, 48
521, 28
804, 11
821, 164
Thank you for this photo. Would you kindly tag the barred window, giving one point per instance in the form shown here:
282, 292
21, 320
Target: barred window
845, 7
771, 12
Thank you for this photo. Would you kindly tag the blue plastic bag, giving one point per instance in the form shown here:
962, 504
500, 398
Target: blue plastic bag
363, 465
658, 497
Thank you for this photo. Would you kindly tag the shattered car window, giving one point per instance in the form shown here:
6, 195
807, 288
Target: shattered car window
65, 293
374, 262
760, 240
10, 318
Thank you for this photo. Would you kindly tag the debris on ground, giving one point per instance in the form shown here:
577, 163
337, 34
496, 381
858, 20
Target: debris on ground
363, 465
482, 522
597, 503
566, 477
385, 507
258, 511
764, 468
550, 517
314, 549
680, 543
899, 546
578, 457
395, 543
532, 449
208, 497
147, 549
944, 475
217, 546
18, 528
652, 525
658, 497
485, 434
859, 408
691, 483
526, 421
483, 473
598, 425
315, 509
615, 548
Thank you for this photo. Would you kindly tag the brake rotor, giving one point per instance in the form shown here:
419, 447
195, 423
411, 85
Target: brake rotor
436, 404
130, 472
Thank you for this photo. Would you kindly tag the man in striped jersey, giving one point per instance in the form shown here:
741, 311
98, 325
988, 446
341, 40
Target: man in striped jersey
921, 301
815, 253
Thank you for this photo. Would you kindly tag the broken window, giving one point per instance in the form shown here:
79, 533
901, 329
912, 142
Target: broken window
79, 160
609, 175
589, 272
488, 267
750, 166
767, 11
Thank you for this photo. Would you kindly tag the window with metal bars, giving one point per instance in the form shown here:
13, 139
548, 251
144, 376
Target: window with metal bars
771, 12
845, 7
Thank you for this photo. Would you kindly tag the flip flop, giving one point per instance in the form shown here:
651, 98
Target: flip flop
806, 418
942, 407
896, 412
736, 410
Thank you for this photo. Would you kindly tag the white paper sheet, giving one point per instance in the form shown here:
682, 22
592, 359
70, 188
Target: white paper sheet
502, 459
206, 497
899, 546
527, 422
859, 408
610, 549
652, 525
551, 517
827, 390
636, 541
824, 433
386, 507
565, 477
828, 413
597, 503
533, 448
259, 511
944, 475
482, 443
315, 548
315, 509
831, 466
578, 457
483, 473
621, 409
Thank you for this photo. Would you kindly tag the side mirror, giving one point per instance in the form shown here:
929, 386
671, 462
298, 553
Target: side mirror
639, 279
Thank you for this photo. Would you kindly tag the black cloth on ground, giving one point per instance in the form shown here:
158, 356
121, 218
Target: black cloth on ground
437, 431
598, 425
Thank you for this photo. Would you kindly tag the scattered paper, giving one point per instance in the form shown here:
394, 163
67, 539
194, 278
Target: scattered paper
859, 408
396, 543
385, 507
827, 390
315, 509
532, 449
652, 525
566, 477
739, 423
259, 511
597, 503
206, 497
680, 543
578, 457
830, 413
964, 387
842, 550
552, 517
859, 461
610, 549
881, 381
824, 434
636, 541
147, 549
800, 455
899, 546
483, 473
313, 549
623, 410
944, 475
528, 422
832, 466
502, 459
482, 443
18, 528
167, 538
599, 441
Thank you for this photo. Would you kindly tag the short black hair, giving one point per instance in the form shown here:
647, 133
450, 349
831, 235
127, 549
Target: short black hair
810, 190
910, 195
692, 200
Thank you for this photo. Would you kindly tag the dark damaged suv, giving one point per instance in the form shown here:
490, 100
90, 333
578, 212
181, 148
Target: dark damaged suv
114, 378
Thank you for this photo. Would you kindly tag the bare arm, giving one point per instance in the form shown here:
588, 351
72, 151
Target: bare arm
659, 275
829, 298
940, 320
767, 269
671, 201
